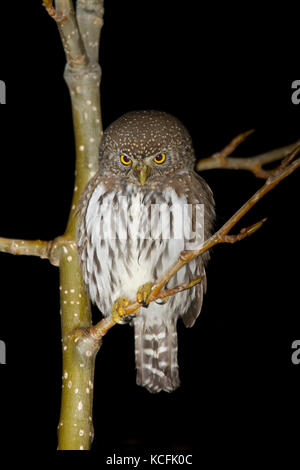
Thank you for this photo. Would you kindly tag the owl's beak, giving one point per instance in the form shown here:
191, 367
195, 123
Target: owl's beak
142, 171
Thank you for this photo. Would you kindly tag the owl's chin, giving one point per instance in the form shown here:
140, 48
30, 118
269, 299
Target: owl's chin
152, 181
136, 182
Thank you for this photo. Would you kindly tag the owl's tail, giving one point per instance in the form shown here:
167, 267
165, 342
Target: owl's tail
156, 356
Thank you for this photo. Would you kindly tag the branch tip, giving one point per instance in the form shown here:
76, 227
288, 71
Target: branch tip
244, 232
230, 148
289, 158
48, 4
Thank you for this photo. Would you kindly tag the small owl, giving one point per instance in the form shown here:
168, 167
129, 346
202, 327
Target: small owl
132, 225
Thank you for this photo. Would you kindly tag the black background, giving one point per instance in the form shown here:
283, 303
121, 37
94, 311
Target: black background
239, 389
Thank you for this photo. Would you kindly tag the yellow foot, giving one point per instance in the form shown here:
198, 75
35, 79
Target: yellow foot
143, 293
118, 309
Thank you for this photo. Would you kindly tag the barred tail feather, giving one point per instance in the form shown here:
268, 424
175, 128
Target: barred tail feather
156, 356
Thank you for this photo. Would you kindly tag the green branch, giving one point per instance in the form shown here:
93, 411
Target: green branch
80, 37
25, 247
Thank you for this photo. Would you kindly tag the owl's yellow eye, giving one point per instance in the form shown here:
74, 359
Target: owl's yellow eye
160, 158
125, 160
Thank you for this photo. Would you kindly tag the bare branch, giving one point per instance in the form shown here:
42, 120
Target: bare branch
82, 74
64, 15
104, 325
253, 164
236, 141
80, 38
182, 287
26, 247
53, 250
90, 21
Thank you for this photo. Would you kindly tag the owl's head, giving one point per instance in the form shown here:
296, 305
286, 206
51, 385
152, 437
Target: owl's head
142, 145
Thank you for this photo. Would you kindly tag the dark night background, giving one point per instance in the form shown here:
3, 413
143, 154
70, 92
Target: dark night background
239, 389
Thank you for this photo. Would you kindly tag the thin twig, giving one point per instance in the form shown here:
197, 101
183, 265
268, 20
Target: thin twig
182, 287
236, 141
254, 164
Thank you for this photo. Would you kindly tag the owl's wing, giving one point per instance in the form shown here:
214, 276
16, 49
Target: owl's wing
82, 232
199, 193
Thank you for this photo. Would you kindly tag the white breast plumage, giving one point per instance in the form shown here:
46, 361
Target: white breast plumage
131, 234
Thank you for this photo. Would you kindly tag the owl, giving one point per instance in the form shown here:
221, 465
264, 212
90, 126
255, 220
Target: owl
132, 225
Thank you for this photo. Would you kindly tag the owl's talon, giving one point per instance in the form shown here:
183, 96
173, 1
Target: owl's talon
143, 293
118, 309
163, 301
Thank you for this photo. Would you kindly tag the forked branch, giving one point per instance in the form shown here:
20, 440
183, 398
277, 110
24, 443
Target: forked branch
254, 164
80, 34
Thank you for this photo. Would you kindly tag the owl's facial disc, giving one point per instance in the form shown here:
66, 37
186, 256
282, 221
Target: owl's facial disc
142, 170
